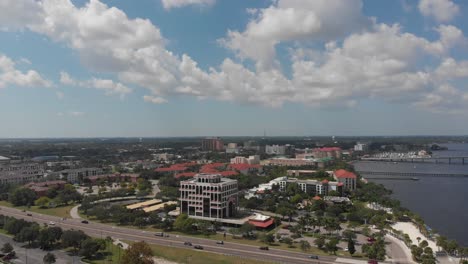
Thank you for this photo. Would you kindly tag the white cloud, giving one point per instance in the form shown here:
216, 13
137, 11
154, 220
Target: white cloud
154, 99
168, 4
441, 10
352, 58
9, 75
108, 86
295, 20
76, 113
60, 95
16, 14
60, 114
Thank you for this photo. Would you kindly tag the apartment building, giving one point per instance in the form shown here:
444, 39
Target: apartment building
76, 175
347, 178
252, 160
212, 144
20, 172
209, 196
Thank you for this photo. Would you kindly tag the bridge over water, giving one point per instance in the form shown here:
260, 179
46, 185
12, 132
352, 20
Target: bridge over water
449, 160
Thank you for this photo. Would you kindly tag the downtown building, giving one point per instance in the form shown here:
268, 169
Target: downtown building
212, 144
209, 196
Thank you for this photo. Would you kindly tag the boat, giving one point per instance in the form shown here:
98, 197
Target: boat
415, 179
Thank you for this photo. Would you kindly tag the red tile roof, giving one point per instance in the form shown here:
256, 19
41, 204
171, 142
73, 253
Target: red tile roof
260, 224
316, 198
345, 174
325, 181
340, 184
228, 173
244, 166
185, 174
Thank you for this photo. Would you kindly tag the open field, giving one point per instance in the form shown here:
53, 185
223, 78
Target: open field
62, 211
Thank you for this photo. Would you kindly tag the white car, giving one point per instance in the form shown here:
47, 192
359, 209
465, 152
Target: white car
51, 223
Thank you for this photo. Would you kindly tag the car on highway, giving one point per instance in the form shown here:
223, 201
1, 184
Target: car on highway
51, 223
29, 214
220, 242
198, 247
85, 222
161, 234
188, 244
313, 257
263, 248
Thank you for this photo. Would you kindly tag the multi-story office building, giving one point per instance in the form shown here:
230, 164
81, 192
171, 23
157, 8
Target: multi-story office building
76, 175
252, 160
209, 196
279, 149
12, 172
212, 144
361, 147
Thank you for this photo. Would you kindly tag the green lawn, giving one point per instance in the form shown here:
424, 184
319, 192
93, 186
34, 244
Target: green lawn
62, 211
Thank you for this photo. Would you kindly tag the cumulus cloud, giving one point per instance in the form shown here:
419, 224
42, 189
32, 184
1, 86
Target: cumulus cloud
10, 76
76, 113
334, 62
441, 10
154, 99
293, 20
108, 86
168, 4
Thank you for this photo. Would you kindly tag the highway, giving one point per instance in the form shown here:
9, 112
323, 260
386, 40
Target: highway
235, 249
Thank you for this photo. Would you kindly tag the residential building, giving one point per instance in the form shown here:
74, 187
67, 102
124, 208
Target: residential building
313, 187
347, 178
163, 156
327, 152
232, 148
209, 196
361, 147
252, 160
212, 144
291, 162
77, 175
279, 149
304, 173
20, 172
41, 188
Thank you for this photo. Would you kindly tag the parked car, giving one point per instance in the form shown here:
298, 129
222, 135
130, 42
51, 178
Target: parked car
220, 242
188, 244
29, 214
263, 248
198, 247
84, 222
51, 223
313, 257
161, 234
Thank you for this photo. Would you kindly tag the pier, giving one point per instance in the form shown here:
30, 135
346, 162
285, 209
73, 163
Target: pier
410, 174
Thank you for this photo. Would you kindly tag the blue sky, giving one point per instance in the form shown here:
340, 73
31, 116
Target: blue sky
226, 68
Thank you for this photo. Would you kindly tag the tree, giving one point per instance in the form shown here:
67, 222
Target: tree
423, 244
320, 242
73, 238
288, 241
305, 245
351, 248
138, 253
267, 238
89, 248
441, 242
22, 196
183, 223
330, 246
7, 248
349, 234
246, 230
28, 233
49, 258
42, 202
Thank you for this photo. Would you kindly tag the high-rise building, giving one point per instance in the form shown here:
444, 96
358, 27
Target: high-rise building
212, 144
209, 196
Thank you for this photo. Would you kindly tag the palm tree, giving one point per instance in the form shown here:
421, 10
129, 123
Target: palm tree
419, 239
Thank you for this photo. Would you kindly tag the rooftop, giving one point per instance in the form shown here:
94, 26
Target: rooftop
344, 174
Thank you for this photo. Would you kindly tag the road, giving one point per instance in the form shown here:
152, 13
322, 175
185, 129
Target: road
235, 249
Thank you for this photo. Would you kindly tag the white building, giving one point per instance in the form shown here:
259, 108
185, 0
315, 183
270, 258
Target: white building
75, 175
347, 178
361, 147
252, 160
209, 196
20, 172
278, 149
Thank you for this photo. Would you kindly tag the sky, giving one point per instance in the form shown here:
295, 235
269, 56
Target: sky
165, 68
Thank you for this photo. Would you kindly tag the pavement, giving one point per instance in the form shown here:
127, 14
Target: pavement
74, 212
398, 251
235, 249
35, 255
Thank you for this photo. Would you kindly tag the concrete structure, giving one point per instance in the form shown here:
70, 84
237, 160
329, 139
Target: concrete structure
12, 172
252, 160
4, 159
261, 221
158, 207
279, 149
76, 175
361, 147
347, 178
143, 204
209, 196
327, 152
212, 144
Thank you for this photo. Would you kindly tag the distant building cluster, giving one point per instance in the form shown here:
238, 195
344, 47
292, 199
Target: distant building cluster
19, 172
279, 149
255, 159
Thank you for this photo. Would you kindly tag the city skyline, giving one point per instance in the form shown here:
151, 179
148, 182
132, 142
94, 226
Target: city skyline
165, 68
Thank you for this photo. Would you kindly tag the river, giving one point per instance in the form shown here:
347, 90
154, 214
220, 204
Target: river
441, 201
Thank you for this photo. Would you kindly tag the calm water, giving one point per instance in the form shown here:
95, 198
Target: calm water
441, 201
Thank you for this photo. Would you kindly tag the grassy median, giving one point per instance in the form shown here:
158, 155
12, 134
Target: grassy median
61, 211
